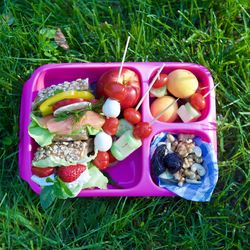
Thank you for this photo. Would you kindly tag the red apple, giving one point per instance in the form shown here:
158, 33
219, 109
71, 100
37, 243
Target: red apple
129, 79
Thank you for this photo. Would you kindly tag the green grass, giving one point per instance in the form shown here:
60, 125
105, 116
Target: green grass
212, 33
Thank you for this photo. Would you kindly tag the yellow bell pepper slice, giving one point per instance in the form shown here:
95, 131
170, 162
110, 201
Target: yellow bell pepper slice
46, 107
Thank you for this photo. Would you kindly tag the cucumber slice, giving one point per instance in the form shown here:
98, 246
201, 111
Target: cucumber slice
123, 127
159, 92
187, 113
125, 145
70, 107
192, 111
132, 141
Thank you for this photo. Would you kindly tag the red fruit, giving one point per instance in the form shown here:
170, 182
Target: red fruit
42, 172
110, 126
129, 79
66, 102
198, 101
142, 130
112, 159
101, 160
115, 90
161, 81
70, 173
132, 115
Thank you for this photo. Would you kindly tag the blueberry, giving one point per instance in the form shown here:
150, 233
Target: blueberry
157, 160
172, 162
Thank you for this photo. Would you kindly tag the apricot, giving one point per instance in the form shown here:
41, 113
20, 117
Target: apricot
160, 104
182, 83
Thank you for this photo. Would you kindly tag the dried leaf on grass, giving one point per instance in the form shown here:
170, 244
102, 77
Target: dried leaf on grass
61, 40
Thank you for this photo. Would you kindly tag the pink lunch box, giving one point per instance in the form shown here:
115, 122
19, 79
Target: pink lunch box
133, 173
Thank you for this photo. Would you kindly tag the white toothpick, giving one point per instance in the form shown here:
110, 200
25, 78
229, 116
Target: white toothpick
210, 90
203, 88
163, 111
150, 86
123, 58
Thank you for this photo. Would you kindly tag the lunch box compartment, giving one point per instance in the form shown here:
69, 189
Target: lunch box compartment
205, 83
204, 136
131, 176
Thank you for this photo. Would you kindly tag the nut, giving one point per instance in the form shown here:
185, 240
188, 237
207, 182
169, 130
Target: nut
191, 175
197, 151
181, 182
177, 176
185, 137
199, 169
171, 138
182, 149
198, 159
174, 145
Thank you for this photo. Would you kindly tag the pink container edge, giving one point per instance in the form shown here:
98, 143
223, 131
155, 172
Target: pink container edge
141, 186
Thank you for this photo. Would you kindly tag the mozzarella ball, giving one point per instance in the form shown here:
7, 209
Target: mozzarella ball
111, 108
182, 83
103, 142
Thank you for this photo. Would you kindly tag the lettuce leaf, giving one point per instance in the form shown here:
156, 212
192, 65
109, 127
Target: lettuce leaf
97, 179
92, 131
41, 135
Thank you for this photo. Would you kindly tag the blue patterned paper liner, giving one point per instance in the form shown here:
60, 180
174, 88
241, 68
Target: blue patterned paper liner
194, 192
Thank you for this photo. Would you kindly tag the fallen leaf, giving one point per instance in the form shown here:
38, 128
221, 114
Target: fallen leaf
61, 40
8, 18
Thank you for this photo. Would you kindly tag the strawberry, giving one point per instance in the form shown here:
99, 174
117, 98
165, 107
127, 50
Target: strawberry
42, 172
70, 173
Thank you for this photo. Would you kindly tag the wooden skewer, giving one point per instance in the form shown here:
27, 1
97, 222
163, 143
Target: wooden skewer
163, 111
149, 87
202, 88
123, 58
211, 90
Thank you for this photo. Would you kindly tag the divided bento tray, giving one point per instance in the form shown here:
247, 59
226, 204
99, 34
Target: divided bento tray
133, 173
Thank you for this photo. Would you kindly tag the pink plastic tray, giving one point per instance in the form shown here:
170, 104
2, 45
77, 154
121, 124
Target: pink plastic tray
132, 174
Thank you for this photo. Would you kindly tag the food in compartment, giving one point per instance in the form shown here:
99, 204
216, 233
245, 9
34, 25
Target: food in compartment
159, 88
159, 104
125, 145
182, 83
129, 79
178, 160
188, 113
132, 115
81, 134
198, 101
67, 124
111, 108
76, 132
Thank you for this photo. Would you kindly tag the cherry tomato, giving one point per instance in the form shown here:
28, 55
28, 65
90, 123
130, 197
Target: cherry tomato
112, 159
132, 115
161, 81
42, 172
102, 160
111, 125
198, 101
115, 90
66, 102
142, 130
